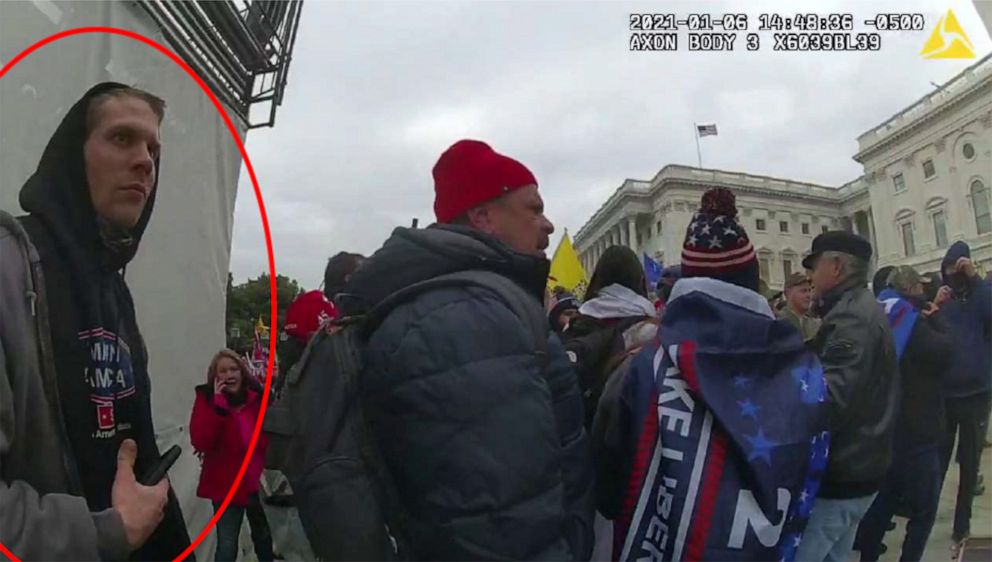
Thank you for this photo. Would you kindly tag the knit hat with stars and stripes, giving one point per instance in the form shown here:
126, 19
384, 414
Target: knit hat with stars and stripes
716, 245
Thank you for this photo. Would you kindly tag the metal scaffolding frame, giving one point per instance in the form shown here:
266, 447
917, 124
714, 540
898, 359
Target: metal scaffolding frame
241, 48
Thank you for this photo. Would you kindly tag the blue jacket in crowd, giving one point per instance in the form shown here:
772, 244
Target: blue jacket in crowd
969, 315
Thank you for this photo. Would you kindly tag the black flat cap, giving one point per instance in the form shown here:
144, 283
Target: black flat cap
838, 241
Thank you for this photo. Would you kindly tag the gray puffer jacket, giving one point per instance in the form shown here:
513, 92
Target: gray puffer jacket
43, 514
487, 449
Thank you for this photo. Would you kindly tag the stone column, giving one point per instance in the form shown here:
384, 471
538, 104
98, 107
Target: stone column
632, 233
871, 233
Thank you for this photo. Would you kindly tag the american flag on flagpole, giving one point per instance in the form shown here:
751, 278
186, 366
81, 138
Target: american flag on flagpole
706, 130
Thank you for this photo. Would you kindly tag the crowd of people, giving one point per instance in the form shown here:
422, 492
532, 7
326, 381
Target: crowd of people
698, 419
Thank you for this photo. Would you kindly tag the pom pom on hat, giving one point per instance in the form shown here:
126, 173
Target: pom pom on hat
719, 201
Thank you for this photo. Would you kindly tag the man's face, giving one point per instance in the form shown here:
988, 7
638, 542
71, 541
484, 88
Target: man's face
517, 219
120, 154
799, 297
826, 274
955, 278
916, 290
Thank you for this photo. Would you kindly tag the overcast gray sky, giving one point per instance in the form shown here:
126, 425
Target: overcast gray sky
377, 91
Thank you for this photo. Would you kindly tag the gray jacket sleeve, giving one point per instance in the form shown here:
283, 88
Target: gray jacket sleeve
35, 525
50, 526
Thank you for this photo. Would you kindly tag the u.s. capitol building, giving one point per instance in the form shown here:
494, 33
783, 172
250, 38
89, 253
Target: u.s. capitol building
926, 184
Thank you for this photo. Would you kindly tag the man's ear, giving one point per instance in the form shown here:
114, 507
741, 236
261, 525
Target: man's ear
480, 218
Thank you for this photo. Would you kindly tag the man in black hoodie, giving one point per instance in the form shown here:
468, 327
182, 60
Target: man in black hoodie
965, 302
77, 367
483, 439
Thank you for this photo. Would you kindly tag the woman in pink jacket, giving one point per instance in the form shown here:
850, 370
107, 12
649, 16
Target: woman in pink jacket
221, 427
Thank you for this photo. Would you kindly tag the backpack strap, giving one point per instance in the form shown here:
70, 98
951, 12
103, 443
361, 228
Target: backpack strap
523, 305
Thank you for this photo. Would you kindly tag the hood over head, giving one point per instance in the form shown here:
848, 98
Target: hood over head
957, 251
58, 194
413, 255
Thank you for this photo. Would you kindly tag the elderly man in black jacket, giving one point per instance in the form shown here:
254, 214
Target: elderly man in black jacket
856, 348
485, 444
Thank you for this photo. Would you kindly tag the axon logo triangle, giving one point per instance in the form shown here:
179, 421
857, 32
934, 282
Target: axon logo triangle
948, 40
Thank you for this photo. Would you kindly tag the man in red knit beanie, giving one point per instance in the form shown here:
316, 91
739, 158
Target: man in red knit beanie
478, 187
473, 402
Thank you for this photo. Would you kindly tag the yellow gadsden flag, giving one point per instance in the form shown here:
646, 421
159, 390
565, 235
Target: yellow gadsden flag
566, 270
261, 330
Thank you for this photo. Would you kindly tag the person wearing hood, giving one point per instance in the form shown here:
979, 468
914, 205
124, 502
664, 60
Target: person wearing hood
481, 432
914, 480
965, 302
857, 349
614, 322
75, 394
720, 424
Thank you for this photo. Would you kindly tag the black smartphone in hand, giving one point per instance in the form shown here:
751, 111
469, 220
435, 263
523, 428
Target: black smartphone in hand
161, 468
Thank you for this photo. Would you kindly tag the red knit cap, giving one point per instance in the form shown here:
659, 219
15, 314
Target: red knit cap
471, 173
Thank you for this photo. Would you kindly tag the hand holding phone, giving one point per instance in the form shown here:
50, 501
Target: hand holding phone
219, 385
141, 507
966, 266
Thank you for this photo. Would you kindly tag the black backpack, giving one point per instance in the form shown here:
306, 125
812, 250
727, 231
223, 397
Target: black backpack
319, 436
595, 348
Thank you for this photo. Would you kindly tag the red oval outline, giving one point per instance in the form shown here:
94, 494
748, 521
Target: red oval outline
265, 226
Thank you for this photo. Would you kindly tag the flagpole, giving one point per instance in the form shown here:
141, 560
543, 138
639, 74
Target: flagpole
699, 155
